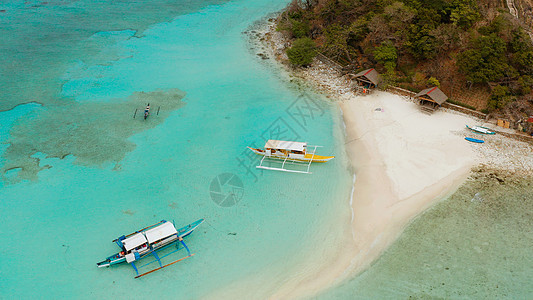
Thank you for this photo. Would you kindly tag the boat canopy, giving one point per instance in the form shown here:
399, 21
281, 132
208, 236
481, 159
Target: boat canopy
134, 241
160, 232
285, 145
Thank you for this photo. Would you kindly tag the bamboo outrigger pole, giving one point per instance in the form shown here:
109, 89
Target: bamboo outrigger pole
164, 266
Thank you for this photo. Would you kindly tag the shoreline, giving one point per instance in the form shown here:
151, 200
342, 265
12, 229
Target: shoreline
382, 207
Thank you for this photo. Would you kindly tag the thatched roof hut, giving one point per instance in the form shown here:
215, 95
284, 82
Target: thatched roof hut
431, 98
368, 78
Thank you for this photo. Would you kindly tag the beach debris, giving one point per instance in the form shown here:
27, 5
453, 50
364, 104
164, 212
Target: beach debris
379, 109
477, 198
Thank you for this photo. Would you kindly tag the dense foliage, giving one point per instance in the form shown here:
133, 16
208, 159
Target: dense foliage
410, 41
302, 52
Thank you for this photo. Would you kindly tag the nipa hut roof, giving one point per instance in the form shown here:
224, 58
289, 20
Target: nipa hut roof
370, 74
435, 94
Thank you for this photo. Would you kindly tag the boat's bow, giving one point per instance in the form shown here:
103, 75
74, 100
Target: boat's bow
103, 264
186, 230
318, 158
257, 151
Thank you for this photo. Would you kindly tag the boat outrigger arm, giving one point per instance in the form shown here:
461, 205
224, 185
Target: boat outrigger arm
154, 253
286, 160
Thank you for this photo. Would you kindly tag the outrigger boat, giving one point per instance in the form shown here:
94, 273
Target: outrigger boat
473, 140
290, 153
479, 129
150, 240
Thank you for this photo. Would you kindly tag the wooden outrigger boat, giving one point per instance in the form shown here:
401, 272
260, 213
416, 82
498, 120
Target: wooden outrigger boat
289, 153
480, 129
150, 240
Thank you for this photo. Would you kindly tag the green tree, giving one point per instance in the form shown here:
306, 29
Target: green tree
302, 52
424, 47
300, 29
519, 41
446, 37
398, 15
386, 53
419, 79
524, 61
526, 83
486, 60
499, 98
433, 82
421, 42
357, 31
464, 13
337, 41
496, 26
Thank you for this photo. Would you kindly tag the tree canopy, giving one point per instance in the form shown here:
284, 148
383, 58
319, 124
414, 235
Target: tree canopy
302, 52
446, 40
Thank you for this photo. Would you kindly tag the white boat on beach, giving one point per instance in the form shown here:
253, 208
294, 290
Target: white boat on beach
480, 129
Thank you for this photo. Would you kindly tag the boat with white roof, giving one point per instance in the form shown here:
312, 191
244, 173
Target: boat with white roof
150, 240
289, 152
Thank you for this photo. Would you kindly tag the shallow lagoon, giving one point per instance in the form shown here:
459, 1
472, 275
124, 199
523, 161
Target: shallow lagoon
474, 245
68, 201
80, 189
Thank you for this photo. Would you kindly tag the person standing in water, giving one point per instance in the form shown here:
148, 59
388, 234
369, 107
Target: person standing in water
147, 111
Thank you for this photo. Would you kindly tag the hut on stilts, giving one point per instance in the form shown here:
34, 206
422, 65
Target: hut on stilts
430, 99
366, 80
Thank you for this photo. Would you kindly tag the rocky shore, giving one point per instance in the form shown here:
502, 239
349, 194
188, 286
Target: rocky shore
498, 152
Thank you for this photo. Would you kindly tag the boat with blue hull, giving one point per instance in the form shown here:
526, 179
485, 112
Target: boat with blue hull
474, 140
149, 241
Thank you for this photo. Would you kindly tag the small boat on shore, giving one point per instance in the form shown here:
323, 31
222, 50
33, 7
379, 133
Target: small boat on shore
289, 152
474, 140
150, 240
480, 129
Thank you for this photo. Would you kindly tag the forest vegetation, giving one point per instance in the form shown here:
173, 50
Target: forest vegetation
459, 45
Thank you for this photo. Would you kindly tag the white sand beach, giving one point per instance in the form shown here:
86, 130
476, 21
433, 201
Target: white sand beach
404, 161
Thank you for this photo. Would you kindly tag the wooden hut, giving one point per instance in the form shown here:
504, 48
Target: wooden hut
430, 99
366, 80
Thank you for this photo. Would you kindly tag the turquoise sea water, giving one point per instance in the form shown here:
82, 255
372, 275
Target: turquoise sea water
474, 245
79, 171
